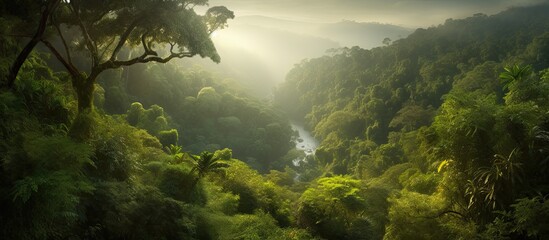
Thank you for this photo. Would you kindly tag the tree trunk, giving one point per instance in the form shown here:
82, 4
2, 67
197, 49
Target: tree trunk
82, 127
84, 88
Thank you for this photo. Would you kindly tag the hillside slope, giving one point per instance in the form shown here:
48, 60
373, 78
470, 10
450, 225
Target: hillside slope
447, 129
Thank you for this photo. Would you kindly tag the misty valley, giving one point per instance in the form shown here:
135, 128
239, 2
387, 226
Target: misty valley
208, 119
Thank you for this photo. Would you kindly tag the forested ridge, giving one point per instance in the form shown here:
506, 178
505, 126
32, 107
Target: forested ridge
449, 126
440, 135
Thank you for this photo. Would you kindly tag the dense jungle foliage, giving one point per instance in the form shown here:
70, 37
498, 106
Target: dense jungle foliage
441, 135
449, 126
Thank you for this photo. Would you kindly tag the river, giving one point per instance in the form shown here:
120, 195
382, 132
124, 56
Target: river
305, 142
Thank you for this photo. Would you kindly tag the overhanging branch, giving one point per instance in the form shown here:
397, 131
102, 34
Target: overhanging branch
144, 58
123, 39
68, 65
149, 58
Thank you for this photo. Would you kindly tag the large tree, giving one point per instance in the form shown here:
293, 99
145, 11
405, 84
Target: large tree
154, 30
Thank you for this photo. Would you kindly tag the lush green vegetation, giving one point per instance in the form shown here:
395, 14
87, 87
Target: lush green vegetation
208, 112
120, 182
450, 124
442, 135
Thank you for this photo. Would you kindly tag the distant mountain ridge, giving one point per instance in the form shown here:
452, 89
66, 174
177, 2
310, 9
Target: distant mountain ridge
347, 33
260, 50
363, 34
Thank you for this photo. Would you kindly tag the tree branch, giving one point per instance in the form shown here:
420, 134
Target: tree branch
106, 48
24, 54
167, 59
146, 46
123, 39
63, 41
172, 45
71, 68
144, 58
89, 43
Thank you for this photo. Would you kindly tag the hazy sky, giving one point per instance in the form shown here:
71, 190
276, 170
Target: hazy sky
411, 13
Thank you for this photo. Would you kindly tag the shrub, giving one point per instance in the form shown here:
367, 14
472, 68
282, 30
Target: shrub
170, 137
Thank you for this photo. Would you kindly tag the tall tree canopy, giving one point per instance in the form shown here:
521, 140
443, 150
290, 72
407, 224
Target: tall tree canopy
151, 31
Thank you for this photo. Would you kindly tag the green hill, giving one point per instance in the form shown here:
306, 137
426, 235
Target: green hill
451, 123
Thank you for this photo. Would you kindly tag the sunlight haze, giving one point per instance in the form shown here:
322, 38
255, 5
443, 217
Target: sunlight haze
275, 35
